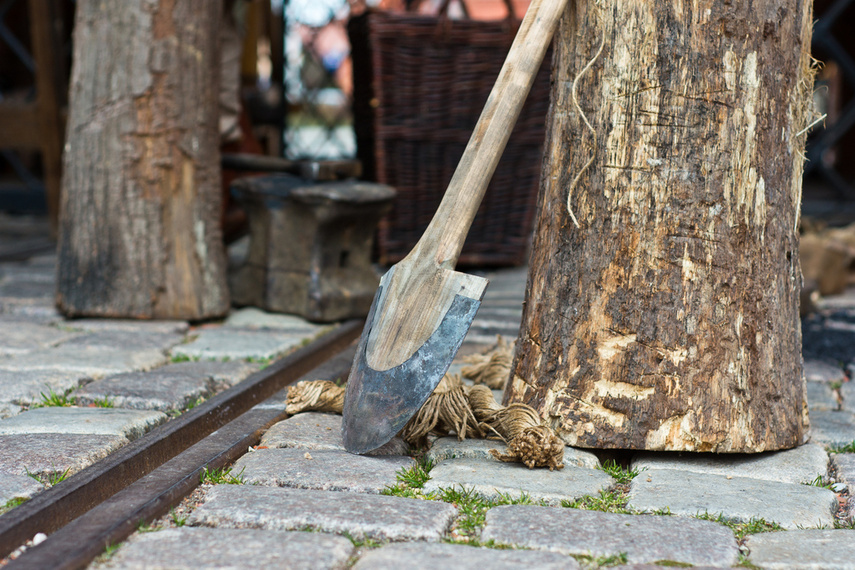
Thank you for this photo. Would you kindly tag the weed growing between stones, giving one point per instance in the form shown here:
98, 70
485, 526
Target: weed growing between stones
848, 448
609, 501
590, 562
176, 358
108, 553
177, 520
105, 402
221, 476
472, 509
54, 400
744, 562
742, 529
51, 479
821, 481
411, 481
673, 564
623, 475
11, 504
143, 527
364, 542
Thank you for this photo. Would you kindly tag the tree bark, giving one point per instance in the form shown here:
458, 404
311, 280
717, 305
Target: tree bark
669, 319
139, 234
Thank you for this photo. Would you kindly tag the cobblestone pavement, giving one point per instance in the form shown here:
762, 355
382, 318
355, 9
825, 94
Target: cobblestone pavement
299, 501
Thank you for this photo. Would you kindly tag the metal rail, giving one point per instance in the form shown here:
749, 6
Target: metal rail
105, 502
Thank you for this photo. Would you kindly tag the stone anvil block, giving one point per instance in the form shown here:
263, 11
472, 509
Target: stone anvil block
310, 245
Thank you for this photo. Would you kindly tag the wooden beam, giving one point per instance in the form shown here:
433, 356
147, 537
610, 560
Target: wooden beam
19, 126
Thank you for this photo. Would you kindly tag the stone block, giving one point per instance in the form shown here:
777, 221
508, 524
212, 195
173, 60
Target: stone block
803, 549
378, 517
222, 343
129, 424
224, 374
8, 410
129, 325
818, 371
449, 448
14, 486
460, 557
49, 454
739, 498
847, 394
821, 397
25, 387
159, 389
320, 469
209, 548
254, 318
93, 362
832, 428
643, 538
20, 338
802, 464
845, 464
124, 339
313, 430
491, 477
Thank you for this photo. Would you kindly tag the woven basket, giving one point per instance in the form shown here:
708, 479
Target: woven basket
430, 78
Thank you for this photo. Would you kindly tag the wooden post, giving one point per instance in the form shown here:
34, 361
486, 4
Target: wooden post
139, 230
668, 319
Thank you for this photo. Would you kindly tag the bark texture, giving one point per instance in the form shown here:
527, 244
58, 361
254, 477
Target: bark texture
669, 318
140, 234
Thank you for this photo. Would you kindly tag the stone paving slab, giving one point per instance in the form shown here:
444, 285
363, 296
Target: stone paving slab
739, 498
14, 486
430, 556
160, 389
25, 272
643, 538
803, 550
818, 371
20, 338
41, 312
45, 454
210, 548
224, 374
449, 448
820, 397
128, 339
220, 343
130, 424
94, 362
129, 325
845, 464
490, 478
832, 428
379, 517
802, 464
847, 393
254, 318
320, 469
314, 430
27, 386
23, 289
8, 410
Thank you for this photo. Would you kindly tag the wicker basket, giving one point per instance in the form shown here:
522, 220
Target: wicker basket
430, 78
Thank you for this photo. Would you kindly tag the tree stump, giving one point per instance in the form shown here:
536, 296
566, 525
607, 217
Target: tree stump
139, 234
669, 318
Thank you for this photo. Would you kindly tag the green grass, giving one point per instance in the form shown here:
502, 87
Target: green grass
744, 562
221, 476
177, 519
176, 358
673, 564
362, 542
51, 480
11, 504
588, 561
108, 553
623, 476
105, 402
848, 448
54, 400
821, 481
472, 507
144, 527
742, 529
608, 501
193, 403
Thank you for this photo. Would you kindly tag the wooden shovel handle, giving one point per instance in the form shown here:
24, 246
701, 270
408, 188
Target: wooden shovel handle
447, 230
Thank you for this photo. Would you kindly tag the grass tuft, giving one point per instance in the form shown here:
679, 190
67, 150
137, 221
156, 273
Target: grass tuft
608, 501
623, 476
222, 476
54, 400
50, 480
742, 529
590, 562
177, 519
105, 402
11, 504
848, 448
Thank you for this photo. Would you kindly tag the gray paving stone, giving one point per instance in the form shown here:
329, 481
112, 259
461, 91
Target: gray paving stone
27, 386
254, 318
489, 478
818, 371
738, 498
24, 272
159, 389
94, 362
224, 374
209, 548
8, 410
643, 538
20, 338
449, 448
362, 516
46, 454
96, 325
320, 469
220, 343
125, 339
130, 424
803, 550
802, 464
313, 430
821, 397
14, 486
42, 312
24, 290
429, 556
845, 464
847, 393
832, 428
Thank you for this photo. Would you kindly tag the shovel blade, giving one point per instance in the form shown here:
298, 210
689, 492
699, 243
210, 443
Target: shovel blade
379, 403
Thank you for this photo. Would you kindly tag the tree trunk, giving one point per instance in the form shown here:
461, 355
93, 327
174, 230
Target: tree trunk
668, 319
139, 234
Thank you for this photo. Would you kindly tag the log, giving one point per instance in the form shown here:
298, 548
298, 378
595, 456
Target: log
669, 318
139, 231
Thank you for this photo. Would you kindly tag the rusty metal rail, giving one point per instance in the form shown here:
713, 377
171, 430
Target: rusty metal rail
105, 503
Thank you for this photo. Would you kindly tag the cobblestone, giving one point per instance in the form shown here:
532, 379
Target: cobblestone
161, 389
492, 478
94, 362
97, 325
362, 516
119, 338
832, 428
209, 548
129, 424
417, 555
25, 387
820, 397
224, 374
23, 337
253, 318
449, 448
14, 486
803, 550
231, 343
818, 371
642, 538
313, 430
738, 498
49, 455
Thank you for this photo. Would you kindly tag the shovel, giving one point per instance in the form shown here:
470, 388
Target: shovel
423, 308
